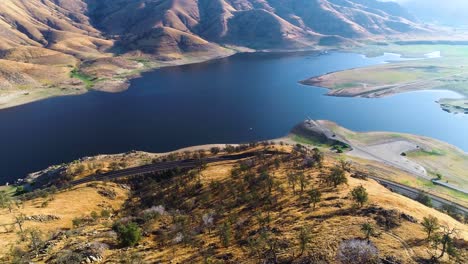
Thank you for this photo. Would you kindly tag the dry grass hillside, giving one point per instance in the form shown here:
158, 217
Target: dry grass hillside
292, 207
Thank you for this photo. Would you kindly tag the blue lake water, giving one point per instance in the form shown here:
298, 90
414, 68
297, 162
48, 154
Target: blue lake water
243, 98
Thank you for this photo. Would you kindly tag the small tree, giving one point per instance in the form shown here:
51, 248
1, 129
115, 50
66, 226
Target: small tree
302, 181
19, 220
360, 195
292, 181
128, 234
315, 197
304, 238
430, 225
337, 177
318, 157
368, 230
225, 234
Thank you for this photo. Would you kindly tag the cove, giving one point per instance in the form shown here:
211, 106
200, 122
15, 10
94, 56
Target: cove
242, 98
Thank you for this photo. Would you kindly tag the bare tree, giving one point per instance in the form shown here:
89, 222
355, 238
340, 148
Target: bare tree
208, 220
443, 242
356, 251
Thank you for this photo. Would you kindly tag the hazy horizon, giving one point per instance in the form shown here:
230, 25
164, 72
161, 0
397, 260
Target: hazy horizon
451, 12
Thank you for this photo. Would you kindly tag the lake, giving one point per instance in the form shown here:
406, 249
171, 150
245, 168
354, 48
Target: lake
243, 98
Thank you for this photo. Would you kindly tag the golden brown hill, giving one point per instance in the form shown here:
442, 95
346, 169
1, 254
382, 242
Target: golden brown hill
165, 32
251, 211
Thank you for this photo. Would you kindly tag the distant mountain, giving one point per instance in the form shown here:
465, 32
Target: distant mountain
78, 27
452, 13
42, 41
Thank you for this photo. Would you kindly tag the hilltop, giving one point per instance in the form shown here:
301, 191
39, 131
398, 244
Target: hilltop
291, 204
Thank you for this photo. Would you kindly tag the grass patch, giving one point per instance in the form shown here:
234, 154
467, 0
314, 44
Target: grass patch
88, 80
308, 141
431, 153
347, 85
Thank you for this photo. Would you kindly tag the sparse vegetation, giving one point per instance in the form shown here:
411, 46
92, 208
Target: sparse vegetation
259, 209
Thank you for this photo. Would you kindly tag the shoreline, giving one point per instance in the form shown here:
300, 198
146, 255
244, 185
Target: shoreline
120, 84
449, 105
115, 85
378, 150
439, 68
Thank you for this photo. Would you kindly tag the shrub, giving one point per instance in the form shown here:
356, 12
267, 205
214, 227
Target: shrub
77, 222
20, 190
215, 150
94, 215
68, 257
357, 252
44, 204
424, 199
368, 230
105, 213
230, 149
128, 234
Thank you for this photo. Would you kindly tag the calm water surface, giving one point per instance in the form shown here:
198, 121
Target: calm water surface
239, 99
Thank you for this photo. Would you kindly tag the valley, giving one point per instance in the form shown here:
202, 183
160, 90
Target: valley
233, 131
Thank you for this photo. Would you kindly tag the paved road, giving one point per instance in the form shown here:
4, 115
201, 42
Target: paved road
189, 164
164, 166
398, 188
413, 194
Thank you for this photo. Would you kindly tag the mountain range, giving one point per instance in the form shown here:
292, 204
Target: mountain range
42, 42
159, 26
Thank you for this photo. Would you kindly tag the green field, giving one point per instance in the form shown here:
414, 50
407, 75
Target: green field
89, 81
